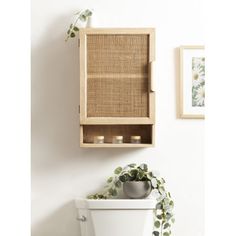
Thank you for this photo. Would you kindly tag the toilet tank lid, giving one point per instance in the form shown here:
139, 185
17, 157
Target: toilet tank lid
116, 204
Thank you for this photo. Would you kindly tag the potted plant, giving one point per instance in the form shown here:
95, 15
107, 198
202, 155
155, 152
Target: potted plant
82, 16
138, 182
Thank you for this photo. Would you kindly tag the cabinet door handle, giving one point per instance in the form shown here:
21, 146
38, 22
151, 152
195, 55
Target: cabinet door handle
81, 218
151, 73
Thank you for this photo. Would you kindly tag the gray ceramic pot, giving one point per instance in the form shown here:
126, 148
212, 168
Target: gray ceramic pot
137, 189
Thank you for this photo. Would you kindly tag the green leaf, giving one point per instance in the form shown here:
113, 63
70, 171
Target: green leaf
168, 216
113, 192
76, 28
133, 172
149, 175
166, 234
140, 175
82, 18
109, 180
122, 178
132, 165
155, 233
159, 206
87, 12
166, 225
173, 220
118, 170
144, 167
159, 217
118, 183
72, 35
71, 26
157, 224
68, 31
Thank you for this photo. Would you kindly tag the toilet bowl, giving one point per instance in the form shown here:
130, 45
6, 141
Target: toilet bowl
118, 217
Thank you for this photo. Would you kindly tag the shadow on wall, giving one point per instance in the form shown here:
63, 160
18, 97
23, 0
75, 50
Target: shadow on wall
59, 223
55, 98
55, 133
176, 62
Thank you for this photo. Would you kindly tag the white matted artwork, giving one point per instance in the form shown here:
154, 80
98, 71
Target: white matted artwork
192, 82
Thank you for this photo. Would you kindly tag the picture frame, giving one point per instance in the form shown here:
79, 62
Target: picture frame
192, 82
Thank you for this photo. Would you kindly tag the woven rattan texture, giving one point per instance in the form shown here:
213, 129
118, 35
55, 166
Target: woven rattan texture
117, 75
145, 131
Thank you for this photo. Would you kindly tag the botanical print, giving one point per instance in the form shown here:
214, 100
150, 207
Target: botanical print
198, 81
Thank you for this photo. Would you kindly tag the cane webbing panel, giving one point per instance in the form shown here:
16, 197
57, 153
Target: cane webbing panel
89, 131
117, 75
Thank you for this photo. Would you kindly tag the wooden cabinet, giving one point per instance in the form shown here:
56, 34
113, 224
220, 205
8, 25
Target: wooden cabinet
117, 95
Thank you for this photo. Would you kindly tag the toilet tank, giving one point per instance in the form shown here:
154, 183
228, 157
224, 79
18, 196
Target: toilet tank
118, 217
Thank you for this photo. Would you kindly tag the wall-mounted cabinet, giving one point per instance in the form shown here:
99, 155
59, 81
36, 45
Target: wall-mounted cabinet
117, 95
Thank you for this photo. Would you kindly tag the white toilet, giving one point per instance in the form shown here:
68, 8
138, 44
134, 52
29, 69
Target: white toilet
120, 217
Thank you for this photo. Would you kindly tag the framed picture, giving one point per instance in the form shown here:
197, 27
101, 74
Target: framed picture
192, 82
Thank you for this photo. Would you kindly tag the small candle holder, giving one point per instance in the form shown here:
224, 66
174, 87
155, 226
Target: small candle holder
117, 139
98, 139
135, 139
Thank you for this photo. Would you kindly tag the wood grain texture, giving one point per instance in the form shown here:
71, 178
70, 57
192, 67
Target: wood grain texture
116, 85
89, 131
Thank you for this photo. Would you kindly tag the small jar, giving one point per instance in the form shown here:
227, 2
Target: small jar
135, 139
117, 139
98, 139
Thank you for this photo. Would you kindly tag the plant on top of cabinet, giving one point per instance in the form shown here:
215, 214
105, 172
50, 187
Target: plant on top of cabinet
134, 175
81, 16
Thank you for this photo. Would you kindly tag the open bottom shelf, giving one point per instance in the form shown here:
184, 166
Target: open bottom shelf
87, 133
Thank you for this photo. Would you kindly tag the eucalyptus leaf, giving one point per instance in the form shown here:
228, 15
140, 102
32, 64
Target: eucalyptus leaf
133, 172
118, 183
157, 224
150, 175
166, 234
144, 167
87, 12
166, 225
159, 206
109, 180
122, 178
83, 18
76, 28
113, 192
155, 233
168, 216
132, 165
72, 35
140, 175
118, 170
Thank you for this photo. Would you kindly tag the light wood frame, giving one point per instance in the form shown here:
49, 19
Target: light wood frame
181, 95
84, 119
112, 145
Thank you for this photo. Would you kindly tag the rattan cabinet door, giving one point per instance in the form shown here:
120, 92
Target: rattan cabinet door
115, 76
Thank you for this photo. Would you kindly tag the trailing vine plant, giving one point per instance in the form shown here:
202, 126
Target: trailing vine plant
163, 213
81, 16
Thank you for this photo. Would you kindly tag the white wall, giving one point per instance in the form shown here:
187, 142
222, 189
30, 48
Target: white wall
60, 169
